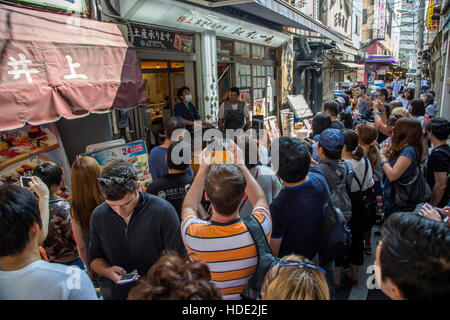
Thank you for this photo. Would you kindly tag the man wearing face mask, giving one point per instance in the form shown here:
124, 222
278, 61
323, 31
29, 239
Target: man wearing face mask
187, 110
130, 230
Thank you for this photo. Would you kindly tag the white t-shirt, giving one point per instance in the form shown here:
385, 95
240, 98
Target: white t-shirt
42, 280
268, 181
234, 106
359, 168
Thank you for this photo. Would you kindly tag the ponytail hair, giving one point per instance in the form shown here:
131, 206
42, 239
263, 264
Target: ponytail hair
352, 143
373, 155
368, 135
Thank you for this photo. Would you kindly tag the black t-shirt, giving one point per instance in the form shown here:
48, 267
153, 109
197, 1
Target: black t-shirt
173, 188
438, 161
153, 228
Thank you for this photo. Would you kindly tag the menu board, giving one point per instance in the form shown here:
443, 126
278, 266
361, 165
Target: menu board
133, 152
22, 150
148, 37
299, 106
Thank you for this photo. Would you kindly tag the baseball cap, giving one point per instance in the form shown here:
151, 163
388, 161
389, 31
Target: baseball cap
340, 100
332, 140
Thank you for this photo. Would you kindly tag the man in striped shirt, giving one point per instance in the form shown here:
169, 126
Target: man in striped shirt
224, 242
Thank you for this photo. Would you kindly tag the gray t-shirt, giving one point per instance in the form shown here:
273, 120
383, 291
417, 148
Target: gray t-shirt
42, 280
268, 181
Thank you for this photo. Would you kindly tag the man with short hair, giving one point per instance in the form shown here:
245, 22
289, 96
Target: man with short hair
413, 258
130, 230
331, 108
60, 245
224, 242
187, 110
233, 114
396, 86
361, 98
298, 210
174, 185
390, 97
23, 274
157, 157
438, 162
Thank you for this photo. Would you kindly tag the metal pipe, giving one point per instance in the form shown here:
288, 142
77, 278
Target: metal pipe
116, 17
220, 3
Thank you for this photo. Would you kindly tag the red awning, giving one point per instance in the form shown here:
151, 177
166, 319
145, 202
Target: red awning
54, 66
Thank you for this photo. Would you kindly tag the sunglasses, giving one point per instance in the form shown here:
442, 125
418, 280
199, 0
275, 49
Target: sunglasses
288, 263
107, 181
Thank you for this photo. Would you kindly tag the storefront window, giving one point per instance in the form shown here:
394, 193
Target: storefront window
242, 49
258, 52
224, 47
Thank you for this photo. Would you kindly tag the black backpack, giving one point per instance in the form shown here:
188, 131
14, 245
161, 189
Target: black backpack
335, 236
266, 260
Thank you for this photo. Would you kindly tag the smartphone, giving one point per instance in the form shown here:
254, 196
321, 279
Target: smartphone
127, 278
25, 181
443, 216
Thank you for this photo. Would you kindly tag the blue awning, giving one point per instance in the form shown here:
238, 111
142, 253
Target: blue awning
386, 59
275, 11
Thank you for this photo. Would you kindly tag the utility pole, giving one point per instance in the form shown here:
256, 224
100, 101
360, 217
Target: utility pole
420, 48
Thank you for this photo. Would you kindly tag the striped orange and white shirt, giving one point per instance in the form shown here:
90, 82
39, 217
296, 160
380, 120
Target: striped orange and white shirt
227, 248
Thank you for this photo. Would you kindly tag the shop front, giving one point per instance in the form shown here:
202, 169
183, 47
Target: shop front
253, 69
59, 69
167, 59
214, 52
376, 70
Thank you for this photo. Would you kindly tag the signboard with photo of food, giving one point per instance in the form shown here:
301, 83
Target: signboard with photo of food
133, 152
22, 150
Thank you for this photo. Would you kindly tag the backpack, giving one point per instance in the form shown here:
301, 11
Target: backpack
340, 194
335, 236
266, 260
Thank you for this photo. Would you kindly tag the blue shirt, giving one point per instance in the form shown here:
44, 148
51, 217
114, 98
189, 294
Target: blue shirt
396, 86
158, 165
297, 216
180, 110
411, 153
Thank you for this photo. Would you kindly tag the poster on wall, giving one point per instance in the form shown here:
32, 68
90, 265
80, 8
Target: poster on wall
22, 150
259, 107
133, 152
245, 97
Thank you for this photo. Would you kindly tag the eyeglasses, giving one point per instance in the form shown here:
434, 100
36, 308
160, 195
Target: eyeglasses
288, 263
107, 181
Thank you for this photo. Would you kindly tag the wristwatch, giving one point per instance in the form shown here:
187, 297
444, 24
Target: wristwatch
383, 162
378, 112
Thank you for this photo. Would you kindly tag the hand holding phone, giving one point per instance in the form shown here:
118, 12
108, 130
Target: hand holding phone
25, 181
128, 277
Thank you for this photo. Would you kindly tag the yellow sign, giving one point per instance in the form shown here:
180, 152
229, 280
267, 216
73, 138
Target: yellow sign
430, 15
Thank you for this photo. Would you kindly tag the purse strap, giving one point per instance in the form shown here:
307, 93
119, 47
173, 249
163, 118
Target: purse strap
365, 175
256, 231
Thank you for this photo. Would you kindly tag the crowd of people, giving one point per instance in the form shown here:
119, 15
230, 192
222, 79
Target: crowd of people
187, 236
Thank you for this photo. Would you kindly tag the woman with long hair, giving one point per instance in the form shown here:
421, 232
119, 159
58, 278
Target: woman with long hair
86, 197
400, 158
362, 185
295, 278
406, 97
368, 135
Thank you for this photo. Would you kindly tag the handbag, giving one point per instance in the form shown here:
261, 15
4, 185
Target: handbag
409, 191
368, 200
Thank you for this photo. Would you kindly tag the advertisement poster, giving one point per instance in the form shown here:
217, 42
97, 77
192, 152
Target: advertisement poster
259, 107
133, 152
245, 97
146, 37
22, 150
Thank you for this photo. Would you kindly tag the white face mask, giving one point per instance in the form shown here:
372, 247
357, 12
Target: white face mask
188, 98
